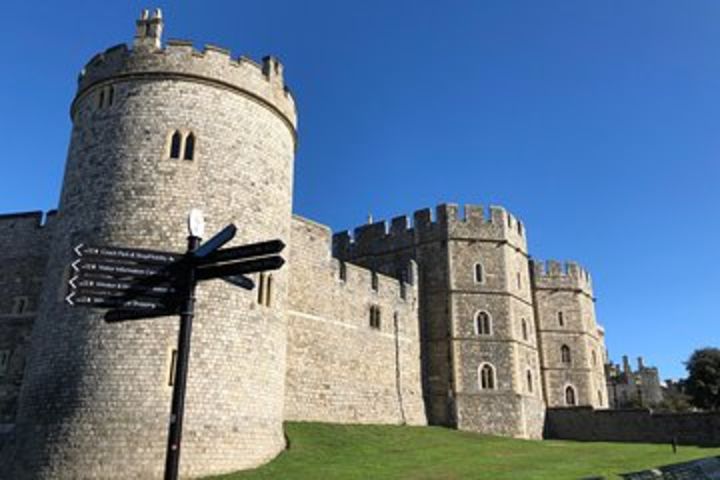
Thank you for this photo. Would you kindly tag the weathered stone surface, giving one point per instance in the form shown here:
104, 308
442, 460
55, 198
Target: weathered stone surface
339, 368
95, 396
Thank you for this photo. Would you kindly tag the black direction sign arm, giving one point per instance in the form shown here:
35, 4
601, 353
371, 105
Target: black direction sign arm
238, 268
243, 251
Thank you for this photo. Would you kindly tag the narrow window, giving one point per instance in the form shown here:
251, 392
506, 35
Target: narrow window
479, 273
343, 271
594, 358
487, 377
483, 324
110, 95
565, 354
524, 329
101, 98
519, 281
374, 317
189, 147
600, 397
561, 319
374, 281
173, 367
268, 289
261, 288
529, 381
4, 361
175, 145
20, 305
570, 396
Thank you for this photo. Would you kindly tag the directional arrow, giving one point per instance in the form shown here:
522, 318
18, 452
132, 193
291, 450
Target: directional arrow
235, 268
240, 281
69, 298
137, 255
244, 251
220, 239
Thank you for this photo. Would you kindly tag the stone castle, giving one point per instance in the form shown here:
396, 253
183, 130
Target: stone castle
444, 319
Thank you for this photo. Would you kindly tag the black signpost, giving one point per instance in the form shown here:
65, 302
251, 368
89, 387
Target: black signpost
139, 283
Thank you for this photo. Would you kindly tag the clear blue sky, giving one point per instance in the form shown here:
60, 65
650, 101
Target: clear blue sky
595, 122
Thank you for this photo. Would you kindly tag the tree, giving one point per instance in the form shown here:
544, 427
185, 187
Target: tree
703, 382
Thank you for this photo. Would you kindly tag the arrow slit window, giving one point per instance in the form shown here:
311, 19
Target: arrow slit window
20, 305
265, 289
4, 361
172, 367
375, 317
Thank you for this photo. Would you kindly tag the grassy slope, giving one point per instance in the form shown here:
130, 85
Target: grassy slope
344, 452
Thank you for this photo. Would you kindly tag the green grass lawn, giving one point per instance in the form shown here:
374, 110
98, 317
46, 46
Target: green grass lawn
324, 451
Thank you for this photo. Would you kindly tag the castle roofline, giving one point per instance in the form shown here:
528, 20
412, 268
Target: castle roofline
178, 59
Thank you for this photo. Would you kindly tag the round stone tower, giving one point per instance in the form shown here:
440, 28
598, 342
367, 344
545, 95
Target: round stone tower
158, 131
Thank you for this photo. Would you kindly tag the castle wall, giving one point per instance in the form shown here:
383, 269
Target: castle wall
633, 425
566, 317
96, 396
24, 243
339, 368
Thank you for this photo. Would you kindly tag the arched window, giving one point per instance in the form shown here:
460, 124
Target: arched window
529, 381
561, 319
483, 323
479, 273
486, 377
524, 329
565, 354
189, 147
175, 142
570, 398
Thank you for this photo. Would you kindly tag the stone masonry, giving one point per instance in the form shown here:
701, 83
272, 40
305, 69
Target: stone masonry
441, 320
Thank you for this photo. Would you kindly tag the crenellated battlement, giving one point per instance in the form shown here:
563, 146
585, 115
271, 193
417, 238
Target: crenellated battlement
311, 243
179, 59
26, 230
360, 279
446, 221
561, 275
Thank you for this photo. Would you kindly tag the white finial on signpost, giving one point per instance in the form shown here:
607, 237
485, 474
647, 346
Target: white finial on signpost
196, 223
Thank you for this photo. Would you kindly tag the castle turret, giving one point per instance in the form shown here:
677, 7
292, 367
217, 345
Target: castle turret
572, 342
481, 370
158, 131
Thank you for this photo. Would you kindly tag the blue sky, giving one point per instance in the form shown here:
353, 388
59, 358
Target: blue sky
594, 122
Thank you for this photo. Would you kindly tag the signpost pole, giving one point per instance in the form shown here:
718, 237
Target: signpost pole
187, 312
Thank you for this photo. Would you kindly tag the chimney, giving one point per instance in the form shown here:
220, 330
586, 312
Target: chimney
626, 365
641, 364
148, 32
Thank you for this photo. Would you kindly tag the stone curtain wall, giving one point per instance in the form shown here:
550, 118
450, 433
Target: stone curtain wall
339, 368
24, 241
636, 425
